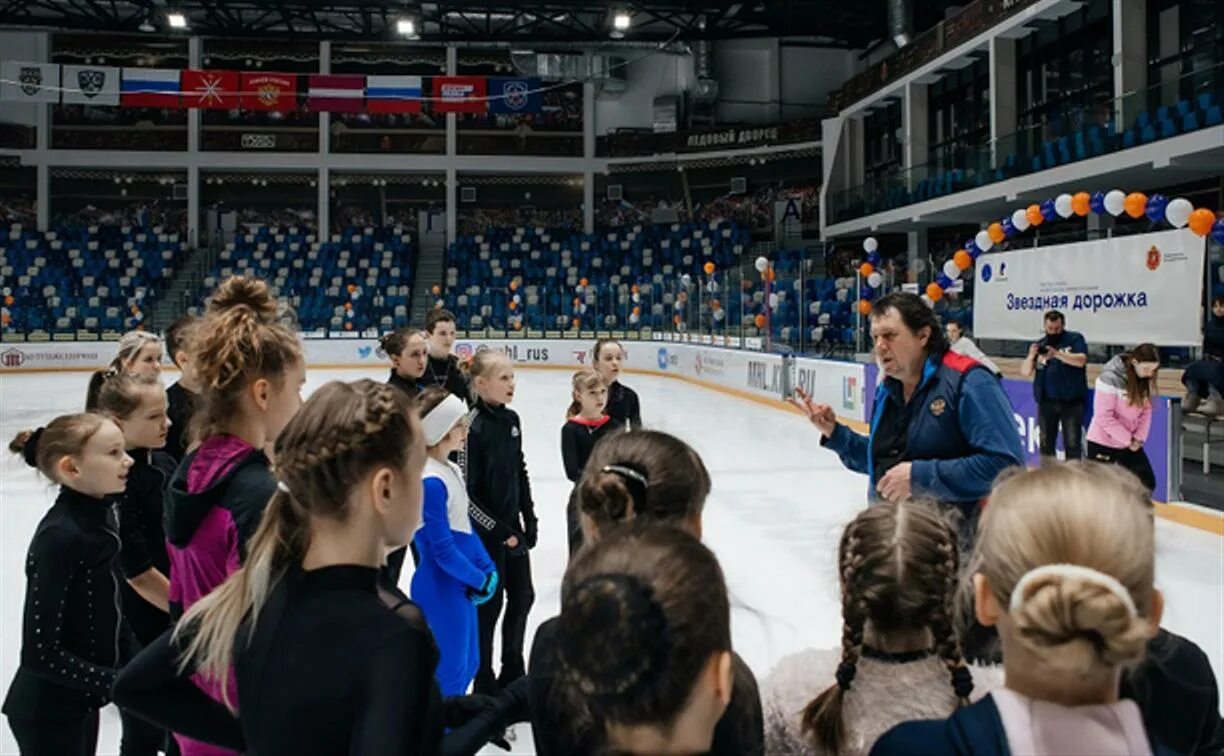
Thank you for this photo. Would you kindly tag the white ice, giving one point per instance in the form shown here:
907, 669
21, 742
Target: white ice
778, 504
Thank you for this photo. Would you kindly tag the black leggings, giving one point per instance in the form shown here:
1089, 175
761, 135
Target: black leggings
516, 591
1135, 461
60, 737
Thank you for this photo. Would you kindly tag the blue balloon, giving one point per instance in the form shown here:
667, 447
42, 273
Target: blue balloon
1155, 209
867, 293
943, 281
972, 248
1009, 228
874, 258
1097, 202
1047, 210
1217, 231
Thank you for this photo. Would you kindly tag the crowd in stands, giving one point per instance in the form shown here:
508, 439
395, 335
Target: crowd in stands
18, 208
146, 215
477, 221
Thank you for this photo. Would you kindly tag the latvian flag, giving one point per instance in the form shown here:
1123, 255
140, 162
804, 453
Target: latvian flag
210, 90
393, 94
149, 88
336, 94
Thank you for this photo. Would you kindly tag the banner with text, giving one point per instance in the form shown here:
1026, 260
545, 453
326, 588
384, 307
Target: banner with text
1114, 291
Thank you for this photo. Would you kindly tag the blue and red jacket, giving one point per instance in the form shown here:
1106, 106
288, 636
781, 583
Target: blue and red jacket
960, 430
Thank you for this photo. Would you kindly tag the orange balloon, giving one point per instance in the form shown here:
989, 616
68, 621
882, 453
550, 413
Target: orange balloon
962, 259
995, 231
708, 268
352, 288
576, 323
635, 289
759, 320
770, 275
934, 291
348, 305
715, 304
583, 282
677, 319
866, 269
637, 310
513, 305
8, 300
518, 326
1033, 213
437, 290
1081, 203
514, 285
864, 307
576, 301
348, 326
747, 285
1134, 204
1201, 221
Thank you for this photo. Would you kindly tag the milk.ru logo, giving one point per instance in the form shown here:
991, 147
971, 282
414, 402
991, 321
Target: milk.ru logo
663, 359
365, 352
987, 273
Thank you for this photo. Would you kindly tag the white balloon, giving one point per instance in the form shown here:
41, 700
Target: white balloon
950, 270
870, 244
919, 265
983, 241
686, 279
875, 279
720, 314
1062, 205
1177, 212
1115, 202
929, 302
637, 298
761, 264
773, 300
1020, 220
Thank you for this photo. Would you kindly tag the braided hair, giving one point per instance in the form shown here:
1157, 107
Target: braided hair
341, 434
898, 565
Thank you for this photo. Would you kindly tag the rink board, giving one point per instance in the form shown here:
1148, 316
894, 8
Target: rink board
847, 387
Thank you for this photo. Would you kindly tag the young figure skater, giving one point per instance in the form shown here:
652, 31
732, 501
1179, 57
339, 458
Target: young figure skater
137, 404
325, 662
73, 637
586, 424
623, 404
654, 479
183, 394
443, 368
504, 513
1064, 565
644, 643
408, 352
899, 659
251, 374
455, 573
140, 353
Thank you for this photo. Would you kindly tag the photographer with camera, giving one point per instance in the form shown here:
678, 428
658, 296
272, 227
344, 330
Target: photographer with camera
1060, 385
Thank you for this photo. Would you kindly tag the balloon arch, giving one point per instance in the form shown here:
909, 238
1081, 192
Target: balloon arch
1178, 212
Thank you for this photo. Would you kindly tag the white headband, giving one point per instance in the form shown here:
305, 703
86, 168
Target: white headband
1086, 574
439, 420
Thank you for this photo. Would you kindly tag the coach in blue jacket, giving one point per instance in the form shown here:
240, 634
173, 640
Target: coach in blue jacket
942, 427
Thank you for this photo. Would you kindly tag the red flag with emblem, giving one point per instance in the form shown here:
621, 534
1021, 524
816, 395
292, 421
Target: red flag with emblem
458, 94
210, 90
269, 91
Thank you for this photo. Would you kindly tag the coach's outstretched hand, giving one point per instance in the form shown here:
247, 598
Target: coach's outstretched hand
820, 415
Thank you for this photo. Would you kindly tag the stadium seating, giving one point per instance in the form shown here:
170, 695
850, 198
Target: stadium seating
361, 279
95, 278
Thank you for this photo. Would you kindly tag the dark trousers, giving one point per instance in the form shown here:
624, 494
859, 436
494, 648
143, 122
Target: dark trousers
573, 525
1069, 415
59, 737
140, 738
516, 592
1201, 376
1135, 461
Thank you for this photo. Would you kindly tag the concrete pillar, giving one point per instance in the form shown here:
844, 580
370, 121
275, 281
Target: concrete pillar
915, 250
856, 145
1002, 98
1169, 41
916, 120
588, 202
42, 129
588, 152
452, 149
323, 211
195, 47
43, 200
1129, 60
42, 117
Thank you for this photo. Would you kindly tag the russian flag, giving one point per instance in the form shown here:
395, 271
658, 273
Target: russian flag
335, 94
149, 88
393, 94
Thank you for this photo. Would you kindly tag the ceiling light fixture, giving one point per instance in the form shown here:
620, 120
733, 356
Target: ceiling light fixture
406, 27
176, 20
621, 21
146, 26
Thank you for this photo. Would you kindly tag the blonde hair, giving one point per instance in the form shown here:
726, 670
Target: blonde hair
342, 433
130, 345
1084, 514
585, 379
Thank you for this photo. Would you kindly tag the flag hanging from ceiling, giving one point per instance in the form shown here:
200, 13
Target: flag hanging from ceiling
90, 85
510, 96
458, 94
30, 82
393, 94
149, 88
210, 90
268, 91
336, 94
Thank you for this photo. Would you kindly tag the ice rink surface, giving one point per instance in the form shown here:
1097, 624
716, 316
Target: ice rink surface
778, 505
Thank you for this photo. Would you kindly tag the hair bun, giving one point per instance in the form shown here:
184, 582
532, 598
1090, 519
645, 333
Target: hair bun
605, 497
25, 443
242, 291
613, 636
1078, 624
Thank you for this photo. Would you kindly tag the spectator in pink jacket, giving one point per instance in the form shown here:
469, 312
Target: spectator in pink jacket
1122, 411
